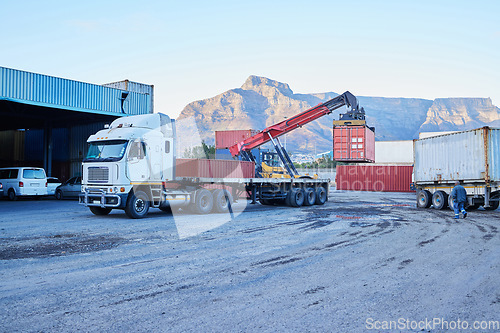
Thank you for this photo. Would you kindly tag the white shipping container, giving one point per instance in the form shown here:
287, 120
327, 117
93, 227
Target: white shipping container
469, 156
394, 152
425, 135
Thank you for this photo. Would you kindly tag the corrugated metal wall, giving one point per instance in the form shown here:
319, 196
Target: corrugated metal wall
134, 87
11, 147
38, 89
377, 178
186, 167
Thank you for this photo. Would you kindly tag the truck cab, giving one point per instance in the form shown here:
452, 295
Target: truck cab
133, 153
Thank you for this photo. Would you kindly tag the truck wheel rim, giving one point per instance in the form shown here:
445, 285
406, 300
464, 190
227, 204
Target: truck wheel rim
139, 205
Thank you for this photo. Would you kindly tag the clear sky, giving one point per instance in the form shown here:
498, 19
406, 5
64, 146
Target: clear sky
191, 50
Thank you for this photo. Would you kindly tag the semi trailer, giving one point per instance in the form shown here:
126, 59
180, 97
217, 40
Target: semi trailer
470, 157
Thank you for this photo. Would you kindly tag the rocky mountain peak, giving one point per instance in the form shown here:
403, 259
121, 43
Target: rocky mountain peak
265, 86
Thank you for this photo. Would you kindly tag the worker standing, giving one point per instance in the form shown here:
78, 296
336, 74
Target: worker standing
459, 196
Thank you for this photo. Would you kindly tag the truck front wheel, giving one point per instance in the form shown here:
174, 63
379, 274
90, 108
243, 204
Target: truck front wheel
137, 205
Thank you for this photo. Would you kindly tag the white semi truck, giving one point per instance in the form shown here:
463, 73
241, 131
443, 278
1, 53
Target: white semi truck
131, 164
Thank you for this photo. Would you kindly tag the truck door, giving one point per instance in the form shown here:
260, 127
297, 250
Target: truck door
137, 162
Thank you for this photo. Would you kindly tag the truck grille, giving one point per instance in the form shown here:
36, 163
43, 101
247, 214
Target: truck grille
98, 174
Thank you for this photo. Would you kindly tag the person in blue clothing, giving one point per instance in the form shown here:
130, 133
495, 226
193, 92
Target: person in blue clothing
459, 196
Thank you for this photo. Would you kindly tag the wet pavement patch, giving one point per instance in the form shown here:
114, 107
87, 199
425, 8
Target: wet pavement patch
57, 245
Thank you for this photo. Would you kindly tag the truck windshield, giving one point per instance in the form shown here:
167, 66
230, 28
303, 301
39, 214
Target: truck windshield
106, 151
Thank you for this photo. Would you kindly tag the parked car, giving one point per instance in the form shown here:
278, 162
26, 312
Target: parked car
23, 181
1, 190
52, 184
70, 188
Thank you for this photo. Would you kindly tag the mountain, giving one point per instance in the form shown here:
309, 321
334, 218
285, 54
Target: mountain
261, 102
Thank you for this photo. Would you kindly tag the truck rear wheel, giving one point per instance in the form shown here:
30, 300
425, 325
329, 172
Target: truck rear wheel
222, 201
137, 205
296, 197
204, 202
424, 199
99, 210
321, 197
493, 205
440, 200
310, 197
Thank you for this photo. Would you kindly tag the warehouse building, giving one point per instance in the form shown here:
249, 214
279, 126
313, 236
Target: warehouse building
46, 120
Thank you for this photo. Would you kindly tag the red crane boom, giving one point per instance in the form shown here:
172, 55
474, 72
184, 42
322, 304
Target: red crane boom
300, 120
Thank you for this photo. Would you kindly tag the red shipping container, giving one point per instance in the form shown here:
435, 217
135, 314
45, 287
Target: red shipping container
202, 168
377, 178
353, 144
226, 139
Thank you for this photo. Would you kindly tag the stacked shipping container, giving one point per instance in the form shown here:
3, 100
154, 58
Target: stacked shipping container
353, 144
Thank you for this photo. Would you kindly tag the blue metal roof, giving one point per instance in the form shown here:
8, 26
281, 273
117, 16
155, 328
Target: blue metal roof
53, 92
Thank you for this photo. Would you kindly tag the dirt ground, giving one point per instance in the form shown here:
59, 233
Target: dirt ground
361, 261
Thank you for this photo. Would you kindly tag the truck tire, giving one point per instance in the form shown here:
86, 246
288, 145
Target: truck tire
424, 199
137, 205
99, 210
310, 197
493, 205
222, 201
440, 200
296, 197
204, 202
321, 196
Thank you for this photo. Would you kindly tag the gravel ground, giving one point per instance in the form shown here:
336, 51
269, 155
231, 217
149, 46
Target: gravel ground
359, 261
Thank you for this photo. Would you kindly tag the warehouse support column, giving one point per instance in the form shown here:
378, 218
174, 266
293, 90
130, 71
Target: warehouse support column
47, 148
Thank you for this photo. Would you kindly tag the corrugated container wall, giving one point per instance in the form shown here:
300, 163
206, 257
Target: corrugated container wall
226, 139
353, 144
394, 152
471, 156
203, 168
135, 87
378, 178
44, 90
11, 147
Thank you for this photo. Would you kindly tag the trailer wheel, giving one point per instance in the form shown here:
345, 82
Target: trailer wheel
493, 205
204, 202
424, 199
440, 200
99, 210
137, 205
310, 197
296, 197
222, 201
321, 197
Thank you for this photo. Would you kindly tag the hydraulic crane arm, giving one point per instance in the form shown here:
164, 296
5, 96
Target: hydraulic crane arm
300, 120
